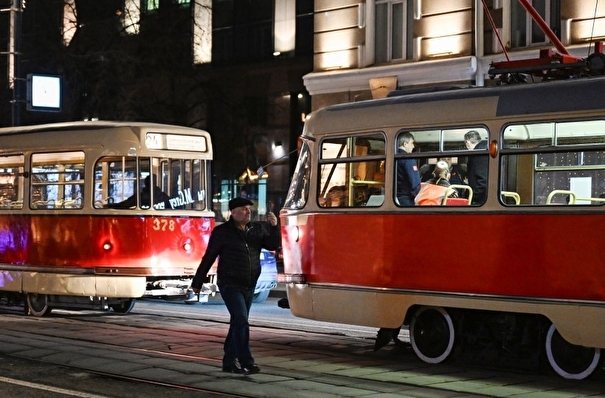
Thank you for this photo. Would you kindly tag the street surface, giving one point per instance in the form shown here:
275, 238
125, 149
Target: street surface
174, 349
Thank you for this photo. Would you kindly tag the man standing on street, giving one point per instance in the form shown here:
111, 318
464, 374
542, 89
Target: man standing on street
237, 243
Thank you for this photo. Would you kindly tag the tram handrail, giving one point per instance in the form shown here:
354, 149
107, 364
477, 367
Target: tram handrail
514, 195
453, 187
573, 198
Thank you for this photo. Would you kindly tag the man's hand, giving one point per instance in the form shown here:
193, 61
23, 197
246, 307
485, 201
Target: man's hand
272, 219
204, 281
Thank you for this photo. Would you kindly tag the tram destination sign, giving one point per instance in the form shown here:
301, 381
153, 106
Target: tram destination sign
176, 142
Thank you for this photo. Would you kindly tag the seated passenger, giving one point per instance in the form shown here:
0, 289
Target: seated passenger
336, 196
432, 192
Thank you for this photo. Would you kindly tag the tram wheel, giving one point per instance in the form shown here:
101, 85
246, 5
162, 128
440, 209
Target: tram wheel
38, 304
124, 307
432, 334
568, 360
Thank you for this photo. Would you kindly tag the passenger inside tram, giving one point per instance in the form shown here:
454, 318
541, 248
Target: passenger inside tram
160, 199
408, 175
433, 192
336, 196
476, 166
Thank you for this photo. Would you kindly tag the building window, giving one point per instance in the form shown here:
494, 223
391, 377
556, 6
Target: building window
394, 22
152, 4
284, 26
525, 32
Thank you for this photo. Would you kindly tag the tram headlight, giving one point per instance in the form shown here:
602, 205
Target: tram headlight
107, 246
297, 234
187, 246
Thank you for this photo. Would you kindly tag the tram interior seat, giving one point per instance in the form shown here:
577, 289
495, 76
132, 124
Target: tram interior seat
375, 200
5, 202
447, 201
455, 202
44, 204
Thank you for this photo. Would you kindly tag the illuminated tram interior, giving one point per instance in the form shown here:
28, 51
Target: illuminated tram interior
540, 164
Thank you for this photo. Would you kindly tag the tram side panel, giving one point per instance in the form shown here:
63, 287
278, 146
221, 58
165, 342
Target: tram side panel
379, 261
98, 255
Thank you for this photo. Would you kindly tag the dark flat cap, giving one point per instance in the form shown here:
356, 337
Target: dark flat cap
238, 202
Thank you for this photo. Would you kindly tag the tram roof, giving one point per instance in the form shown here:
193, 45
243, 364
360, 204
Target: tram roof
544, 97
92, 125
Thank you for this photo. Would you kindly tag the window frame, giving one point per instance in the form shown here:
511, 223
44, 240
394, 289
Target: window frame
353, 191
555, 147
528, 25
384, 50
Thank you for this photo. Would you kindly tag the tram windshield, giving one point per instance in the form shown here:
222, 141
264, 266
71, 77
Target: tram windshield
298, 194
164, 184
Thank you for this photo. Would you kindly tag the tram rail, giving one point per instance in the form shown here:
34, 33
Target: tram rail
186, 355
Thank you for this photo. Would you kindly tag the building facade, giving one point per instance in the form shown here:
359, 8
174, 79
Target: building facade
232, 67
364, 48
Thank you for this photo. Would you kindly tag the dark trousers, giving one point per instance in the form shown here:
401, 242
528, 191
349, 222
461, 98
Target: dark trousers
405, 200
237, 343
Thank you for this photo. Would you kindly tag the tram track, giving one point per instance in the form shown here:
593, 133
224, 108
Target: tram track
106, 346
166, 338
301, 375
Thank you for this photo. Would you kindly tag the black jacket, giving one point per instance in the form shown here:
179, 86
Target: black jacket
477, 174
238, 253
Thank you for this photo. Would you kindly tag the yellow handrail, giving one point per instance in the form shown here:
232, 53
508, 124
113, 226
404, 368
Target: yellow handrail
453, 187
514, 195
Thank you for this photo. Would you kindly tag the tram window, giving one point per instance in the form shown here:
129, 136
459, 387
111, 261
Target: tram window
299, 187
444, 140
183, 180
358, 178
536, 135
468, 144
57, 180
11, 182
357, 146
553, 178
453, 139
115, 180
171, 183
339, 190
551, 173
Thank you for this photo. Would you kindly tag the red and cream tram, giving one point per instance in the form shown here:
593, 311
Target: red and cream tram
80, 227
524, 267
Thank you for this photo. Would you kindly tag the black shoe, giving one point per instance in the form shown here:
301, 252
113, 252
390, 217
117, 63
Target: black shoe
250, 369
233, 368
383, 338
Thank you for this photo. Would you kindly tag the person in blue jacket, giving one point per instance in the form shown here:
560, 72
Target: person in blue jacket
408, 176
237, 243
